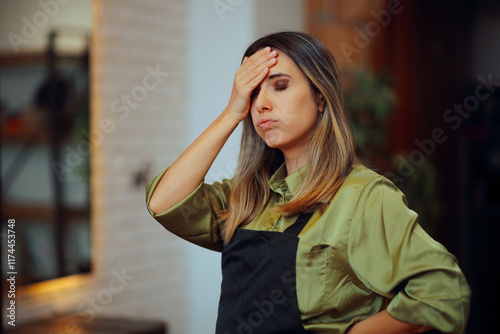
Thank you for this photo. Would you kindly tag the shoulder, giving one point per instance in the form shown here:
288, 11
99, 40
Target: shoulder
219, 186
219, 190
377, 204
363, 181
360, 177
367, 193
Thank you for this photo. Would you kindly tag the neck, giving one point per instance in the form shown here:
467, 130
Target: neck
294, 160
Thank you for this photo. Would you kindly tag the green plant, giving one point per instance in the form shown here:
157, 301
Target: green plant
370, 99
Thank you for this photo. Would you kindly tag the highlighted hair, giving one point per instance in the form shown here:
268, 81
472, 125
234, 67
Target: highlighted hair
331, 153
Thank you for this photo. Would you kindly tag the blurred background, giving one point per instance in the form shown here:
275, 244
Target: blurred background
97, 97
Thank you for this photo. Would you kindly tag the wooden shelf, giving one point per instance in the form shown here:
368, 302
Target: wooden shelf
25, 129
82, 325
35, 59
40, 212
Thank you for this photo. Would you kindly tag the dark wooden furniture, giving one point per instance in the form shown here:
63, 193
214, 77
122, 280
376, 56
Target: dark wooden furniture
72, 324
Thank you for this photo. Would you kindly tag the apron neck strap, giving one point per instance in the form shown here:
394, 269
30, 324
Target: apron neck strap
299, 224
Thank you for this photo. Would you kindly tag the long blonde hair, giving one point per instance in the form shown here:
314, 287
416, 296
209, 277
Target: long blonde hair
331, 150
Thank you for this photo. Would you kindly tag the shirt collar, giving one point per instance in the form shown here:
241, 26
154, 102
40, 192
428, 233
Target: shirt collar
287, 185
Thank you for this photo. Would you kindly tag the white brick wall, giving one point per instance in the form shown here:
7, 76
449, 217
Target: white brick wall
131, 36
128, 36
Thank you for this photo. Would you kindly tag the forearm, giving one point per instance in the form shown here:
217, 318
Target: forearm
186, 173
384, 323
190, 168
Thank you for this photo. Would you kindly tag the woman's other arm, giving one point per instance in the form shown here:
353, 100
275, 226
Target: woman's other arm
394, 257
189, 170
383, 323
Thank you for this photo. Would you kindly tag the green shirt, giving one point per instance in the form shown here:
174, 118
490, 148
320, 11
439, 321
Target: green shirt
366, 252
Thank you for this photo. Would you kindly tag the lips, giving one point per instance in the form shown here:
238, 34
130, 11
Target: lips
266, 123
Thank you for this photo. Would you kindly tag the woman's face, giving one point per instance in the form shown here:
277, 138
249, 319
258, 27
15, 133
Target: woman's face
284, 109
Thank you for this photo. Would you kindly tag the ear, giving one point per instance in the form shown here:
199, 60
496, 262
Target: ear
320, 101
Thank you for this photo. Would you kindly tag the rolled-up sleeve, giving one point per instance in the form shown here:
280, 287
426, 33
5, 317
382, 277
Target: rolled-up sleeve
194, 218
393, 256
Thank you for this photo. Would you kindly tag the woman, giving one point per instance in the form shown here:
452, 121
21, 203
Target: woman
311, 240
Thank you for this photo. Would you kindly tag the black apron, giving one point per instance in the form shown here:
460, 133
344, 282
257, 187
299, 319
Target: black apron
258, 293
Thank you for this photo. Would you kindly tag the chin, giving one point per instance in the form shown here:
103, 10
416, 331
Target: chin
272, 140
275, 145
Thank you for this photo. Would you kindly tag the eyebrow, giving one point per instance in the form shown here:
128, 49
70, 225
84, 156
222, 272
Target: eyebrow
277, 75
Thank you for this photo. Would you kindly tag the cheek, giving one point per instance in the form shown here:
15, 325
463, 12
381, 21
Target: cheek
300, 112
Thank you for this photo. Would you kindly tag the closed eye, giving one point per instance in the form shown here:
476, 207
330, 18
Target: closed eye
281, 85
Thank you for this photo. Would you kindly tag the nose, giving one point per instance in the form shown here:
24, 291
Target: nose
262, 102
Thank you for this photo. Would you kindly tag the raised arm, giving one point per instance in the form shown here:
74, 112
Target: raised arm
189, 170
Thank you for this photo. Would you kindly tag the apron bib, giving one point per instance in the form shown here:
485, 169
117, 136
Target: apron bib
258, 292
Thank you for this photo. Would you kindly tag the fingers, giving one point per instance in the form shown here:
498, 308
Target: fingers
257, 65
256, 62
254, 82
251, 73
